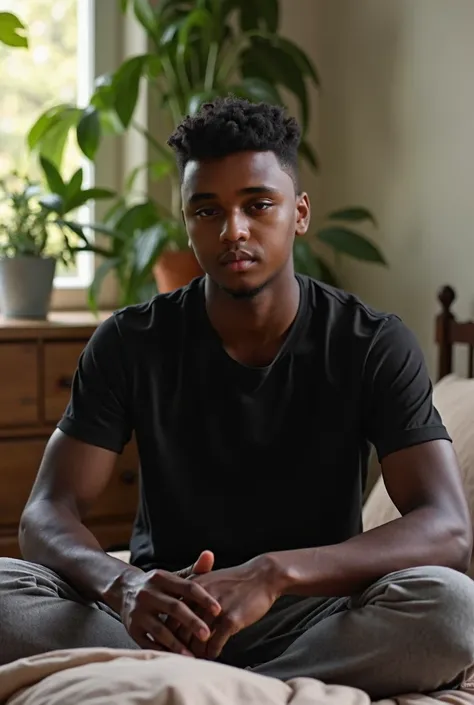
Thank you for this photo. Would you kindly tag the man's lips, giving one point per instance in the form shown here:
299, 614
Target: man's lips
237, 260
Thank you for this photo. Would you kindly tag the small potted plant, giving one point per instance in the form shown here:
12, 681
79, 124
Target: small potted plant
35, 233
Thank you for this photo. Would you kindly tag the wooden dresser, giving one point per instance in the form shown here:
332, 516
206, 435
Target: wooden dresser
37, 364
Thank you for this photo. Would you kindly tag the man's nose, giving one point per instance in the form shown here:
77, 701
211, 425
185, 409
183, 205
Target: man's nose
235, 228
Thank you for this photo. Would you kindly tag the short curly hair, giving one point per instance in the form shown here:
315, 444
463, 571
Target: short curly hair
228, 125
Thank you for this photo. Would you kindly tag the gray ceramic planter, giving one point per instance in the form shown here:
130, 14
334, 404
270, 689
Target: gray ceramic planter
25, 286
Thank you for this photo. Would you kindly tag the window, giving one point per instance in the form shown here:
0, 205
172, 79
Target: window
58, 67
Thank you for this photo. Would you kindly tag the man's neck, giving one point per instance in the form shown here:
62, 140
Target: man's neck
252, 330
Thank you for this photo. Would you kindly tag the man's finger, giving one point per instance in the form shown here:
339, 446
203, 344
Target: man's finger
216, 643
197, 646
204, 564
155, 635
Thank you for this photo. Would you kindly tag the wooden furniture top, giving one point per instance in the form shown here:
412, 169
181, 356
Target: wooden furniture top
64, 324
450, 332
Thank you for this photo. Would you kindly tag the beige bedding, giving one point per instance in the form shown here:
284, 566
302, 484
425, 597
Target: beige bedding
122, 677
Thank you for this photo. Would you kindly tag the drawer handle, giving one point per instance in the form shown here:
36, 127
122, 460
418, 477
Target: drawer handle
128, 477
65, 382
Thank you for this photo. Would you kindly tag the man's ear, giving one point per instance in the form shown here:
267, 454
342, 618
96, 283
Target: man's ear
303, 214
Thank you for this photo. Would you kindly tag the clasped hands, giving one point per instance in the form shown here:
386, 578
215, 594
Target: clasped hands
195, 612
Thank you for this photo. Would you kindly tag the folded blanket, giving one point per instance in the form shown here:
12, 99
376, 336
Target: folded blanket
126, 677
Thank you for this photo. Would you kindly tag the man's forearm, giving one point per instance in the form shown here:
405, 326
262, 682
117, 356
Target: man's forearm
50, 534
419, 538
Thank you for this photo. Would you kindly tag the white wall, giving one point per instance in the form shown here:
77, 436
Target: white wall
396, 133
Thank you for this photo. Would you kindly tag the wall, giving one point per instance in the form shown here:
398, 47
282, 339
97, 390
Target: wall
298, 22
396, 134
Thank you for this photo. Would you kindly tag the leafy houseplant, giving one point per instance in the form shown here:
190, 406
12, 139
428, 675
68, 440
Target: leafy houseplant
36, 232
200, 49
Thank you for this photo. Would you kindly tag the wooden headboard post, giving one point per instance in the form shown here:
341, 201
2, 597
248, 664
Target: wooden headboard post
444, 325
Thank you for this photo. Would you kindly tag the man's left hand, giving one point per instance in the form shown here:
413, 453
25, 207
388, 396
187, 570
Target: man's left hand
245, 594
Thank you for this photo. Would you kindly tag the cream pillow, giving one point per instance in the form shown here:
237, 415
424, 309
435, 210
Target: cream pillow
454, 398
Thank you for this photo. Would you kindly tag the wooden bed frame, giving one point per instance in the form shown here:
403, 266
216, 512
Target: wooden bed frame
450, 332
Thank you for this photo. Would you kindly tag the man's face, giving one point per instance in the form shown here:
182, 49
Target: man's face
242, 214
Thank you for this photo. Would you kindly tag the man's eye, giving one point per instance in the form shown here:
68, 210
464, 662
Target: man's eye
206, 212
260, 206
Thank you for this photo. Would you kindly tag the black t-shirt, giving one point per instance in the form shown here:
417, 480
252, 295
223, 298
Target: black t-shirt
244, 460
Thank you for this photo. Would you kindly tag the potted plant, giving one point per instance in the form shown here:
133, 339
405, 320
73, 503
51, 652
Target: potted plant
36, 232
200, 49
137, 234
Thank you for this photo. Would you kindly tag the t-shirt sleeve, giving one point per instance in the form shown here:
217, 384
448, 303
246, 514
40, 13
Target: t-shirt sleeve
99, 411
398, 394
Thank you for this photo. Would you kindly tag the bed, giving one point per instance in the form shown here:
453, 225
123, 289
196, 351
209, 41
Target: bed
106, 677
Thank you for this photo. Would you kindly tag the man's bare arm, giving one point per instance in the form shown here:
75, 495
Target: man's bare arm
71, 478
435, 529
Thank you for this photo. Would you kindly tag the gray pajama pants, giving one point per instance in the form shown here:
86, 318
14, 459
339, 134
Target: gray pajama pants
410, 631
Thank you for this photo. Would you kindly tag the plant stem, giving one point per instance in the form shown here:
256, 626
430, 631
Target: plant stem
153, 141
227, 64
181, 65
175, 199
211, 66
173, 100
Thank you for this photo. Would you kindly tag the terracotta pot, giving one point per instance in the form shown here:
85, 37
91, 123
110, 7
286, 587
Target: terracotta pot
175, 269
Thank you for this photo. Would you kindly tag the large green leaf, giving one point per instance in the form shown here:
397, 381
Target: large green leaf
138, 217
75, 227
53, 177
49, 133
49, 119
75, 184
304, 258
90, 194
256, 89
170, 31
256, 14
327, 275
104, 230
103, 95
149, 244
264, 59
301, 59
307, 262
110, 123
350, 243
145, 15
88, 132
197, 19
353, 214
12, 30
107, 266
126, 85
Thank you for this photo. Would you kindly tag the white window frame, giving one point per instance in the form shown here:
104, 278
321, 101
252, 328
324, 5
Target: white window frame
114, 38
86, 52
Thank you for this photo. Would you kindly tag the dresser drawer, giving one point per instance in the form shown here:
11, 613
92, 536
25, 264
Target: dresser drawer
19, 464
18, 384
60, 362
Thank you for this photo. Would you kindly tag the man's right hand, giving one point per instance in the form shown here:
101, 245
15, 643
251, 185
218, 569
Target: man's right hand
150, 598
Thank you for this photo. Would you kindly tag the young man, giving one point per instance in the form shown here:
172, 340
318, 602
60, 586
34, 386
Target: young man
254, 395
